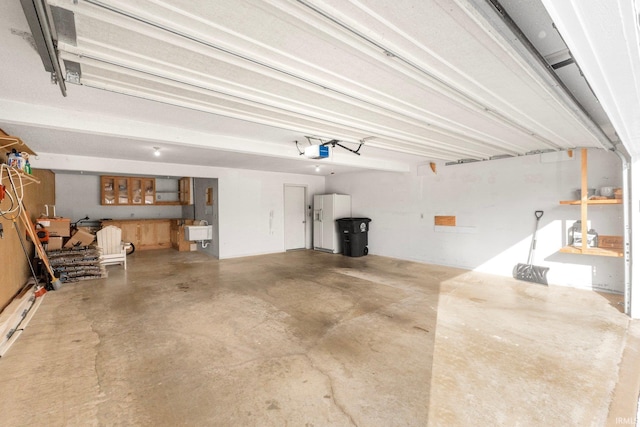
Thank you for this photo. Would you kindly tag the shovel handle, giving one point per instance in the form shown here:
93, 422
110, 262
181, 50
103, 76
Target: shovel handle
539, 214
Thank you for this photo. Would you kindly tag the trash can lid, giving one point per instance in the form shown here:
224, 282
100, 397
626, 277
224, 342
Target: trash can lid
354, 219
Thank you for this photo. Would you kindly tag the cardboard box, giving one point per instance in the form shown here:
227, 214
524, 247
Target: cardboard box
54, 243
57, 227
80, 238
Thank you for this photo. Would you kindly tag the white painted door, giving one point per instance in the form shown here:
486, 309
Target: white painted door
295, 223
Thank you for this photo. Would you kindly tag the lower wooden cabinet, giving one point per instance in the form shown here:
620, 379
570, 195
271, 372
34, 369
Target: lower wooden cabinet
129, 231
145, 233
177, 235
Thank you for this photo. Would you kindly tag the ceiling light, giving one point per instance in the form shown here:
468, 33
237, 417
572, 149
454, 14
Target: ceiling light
156, 151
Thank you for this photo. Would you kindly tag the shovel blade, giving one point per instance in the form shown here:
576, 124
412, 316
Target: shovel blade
531, 273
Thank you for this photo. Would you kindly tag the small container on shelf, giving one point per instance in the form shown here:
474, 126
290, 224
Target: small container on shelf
617, 193
607, 192
15, 160
575, 236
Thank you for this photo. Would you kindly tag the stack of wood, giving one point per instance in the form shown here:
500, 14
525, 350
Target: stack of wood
75, 264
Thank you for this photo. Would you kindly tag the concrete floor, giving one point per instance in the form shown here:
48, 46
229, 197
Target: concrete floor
313, 339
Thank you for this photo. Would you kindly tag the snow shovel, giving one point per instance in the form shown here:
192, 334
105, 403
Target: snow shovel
528, 271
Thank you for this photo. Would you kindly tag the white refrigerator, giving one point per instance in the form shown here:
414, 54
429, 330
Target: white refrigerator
326, 209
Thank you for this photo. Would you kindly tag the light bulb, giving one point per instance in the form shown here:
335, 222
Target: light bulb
156, 151
317, 168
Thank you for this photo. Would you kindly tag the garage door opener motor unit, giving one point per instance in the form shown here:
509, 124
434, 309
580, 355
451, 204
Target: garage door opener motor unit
316, 152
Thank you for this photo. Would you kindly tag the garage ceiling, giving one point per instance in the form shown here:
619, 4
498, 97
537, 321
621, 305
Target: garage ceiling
413, 80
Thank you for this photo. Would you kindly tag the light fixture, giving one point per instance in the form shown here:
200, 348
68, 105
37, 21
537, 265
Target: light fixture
156, 151
317, 168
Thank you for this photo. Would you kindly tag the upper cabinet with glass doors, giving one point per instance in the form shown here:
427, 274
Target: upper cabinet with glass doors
130, 190
142, 191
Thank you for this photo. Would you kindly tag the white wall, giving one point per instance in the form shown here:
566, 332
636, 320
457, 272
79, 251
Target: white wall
252, 210
251, 203
494, 203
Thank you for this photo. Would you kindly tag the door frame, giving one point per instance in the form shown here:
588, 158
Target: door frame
284, 215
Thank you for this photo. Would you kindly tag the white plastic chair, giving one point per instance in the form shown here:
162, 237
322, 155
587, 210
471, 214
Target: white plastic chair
113, 249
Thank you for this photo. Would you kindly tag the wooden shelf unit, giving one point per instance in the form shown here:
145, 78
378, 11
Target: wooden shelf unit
593, 202
26, 178
7, 143
584, 202
612, 252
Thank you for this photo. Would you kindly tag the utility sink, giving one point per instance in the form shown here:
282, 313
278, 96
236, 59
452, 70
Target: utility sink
196, 233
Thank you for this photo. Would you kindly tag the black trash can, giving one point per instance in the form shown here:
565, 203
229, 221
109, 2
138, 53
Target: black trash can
354, 232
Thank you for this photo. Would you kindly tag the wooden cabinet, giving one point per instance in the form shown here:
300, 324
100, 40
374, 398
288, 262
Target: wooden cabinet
126, 190
108, 190
116, 190
155, 234
163, 234
129, 231
122, 190
145, 233
184, 189
177, 235
607, 245
143, 191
